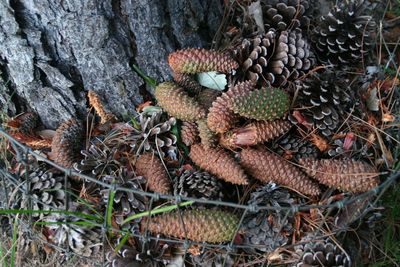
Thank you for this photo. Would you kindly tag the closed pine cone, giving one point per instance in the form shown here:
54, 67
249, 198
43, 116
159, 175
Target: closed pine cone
254, 133
195, 60
266, 167
189, 133
221, 117
203, 225
344, 174
67, 143
150, 166
207, 96
219, 163
188, 83
178, 103
208, 138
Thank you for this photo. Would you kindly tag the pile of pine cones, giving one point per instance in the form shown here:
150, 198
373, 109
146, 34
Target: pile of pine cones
285, 132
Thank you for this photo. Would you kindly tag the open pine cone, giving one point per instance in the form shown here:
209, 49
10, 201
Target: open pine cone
125, 203
154, 131
343, 36
274, 58
82, 239
323, 102
267, 230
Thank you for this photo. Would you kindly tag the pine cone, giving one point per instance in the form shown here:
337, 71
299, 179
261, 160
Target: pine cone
267, 230
254, 133
267, 167
268, 60
221, 117
154, 133
198, 184
67, 143
323, 101
189, 133
207, 137
95, 102
24, 123
212, 257
195, 60
219, 163
150, 253
187, 82
46, 190
324, 254
83, 239
286, 14
293, 147
262, 104
253, 56
206, 97
203, 225
150, 166
99, 160
125, 203
168, 96
344, 35
292, 57
343, 174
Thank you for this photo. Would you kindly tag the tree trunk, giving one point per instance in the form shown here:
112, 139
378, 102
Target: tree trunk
53, 51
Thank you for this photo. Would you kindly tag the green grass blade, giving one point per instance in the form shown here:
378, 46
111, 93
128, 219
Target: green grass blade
156, 211
122, 242
14, 242
110, 204
78, 214
150, 81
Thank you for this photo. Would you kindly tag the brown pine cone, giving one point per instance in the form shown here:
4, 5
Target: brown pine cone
189, 133
221, 117
24, 123
254, 133
178, 103
207, 97
67, 143
195, 60
219, 163
151, 167
202, 225
343, 174
266, 167
207, 137
188, 83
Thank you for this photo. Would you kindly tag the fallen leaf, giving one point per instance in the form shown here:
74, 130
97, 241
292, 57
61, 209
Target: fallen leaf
46, 134
320, 142
301, 119
373, 100
255, 11
212, 80
348, 141
387, 117
141, 106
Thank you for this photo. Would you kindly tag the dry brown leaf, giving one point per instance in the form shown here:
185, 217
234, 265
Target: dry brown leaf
320, 142
32, 141
95, 102
141, 106
387, 117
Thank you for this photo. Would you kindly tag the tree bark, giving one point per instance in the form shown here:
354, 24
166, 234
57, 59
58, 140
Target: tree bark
53, 51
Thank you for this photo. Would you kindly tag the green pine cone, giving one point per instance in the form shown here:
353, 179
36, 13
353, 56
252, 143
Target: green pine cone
203, 225
177, 103
263, 104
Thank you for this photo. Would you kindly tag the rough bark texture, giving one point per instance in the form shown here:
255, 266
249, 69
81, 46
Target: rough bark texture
53, 51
